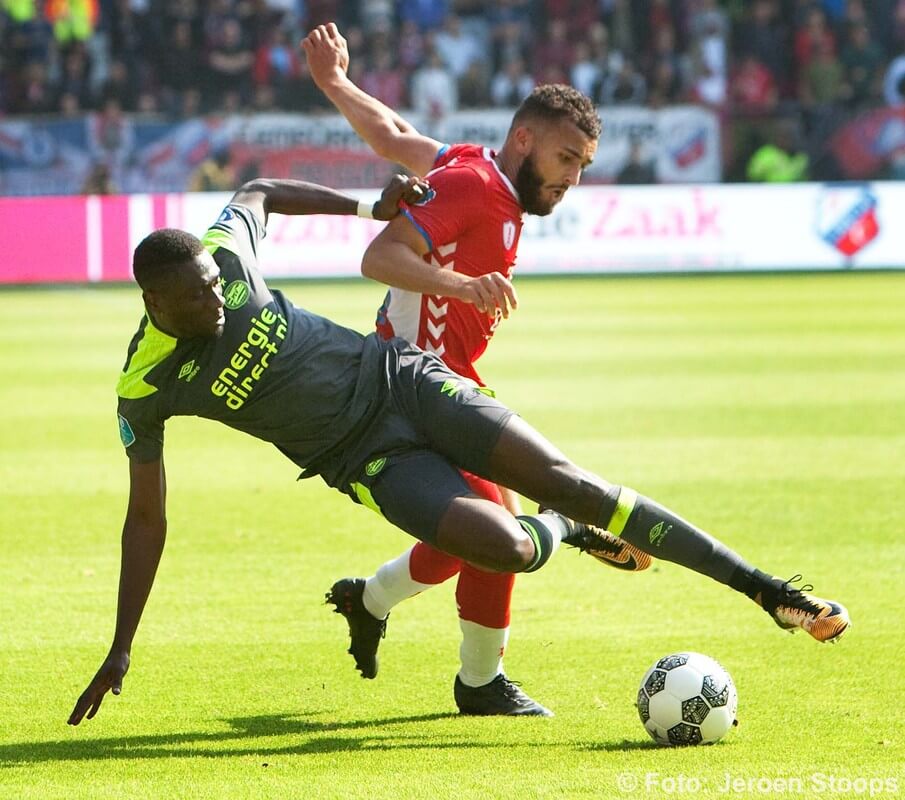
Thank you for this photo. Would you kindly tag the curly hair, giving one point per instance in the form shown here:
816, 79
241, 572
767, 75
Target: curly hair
162, 249
556, 101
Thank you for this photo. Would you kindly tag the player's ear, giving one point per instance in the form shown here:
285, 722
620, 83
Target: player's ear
152, 301
523, 137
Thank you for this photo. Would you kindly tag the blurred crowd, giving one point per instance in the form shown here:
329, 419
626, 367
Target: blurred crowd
184, 57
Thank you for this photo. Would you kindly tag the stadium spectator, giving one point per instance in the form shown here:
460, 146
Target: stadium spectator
512, 84
585, 73
384, 80
121, 86
72, 20
754, 90
862, 63
128, 34
410, 46
822, 78
230, 61
457, 48
667, 70
511, 32
626, 87
214, 174
179, 65
474, 87
765, 36
814, 39
638, 169
276, 62
32, 91
779, 159
434, 89
554, 53
76, 79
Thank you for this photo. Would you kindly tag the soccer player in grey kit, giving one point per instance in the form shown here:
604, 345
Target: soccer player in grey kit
382, 421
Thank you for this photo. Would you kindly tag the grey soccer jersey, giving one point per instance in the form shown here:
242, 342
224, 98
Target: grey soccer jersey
278, 373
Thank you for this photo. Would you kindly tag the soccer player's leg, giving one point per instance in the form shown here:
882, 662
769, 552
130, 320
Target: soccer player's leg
422, 493
528, 463
484, 599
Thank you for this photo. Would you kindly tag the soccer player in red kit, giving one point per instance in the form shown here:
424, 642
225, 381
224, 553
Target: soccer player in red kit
450, 287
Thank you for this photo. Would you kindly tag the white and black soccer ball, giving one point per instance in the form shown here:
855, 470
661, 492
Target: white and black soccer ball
687, 698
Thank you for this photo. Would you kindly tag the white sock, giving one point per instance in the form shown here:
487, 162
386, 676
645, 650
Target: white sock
481, 652
390, 585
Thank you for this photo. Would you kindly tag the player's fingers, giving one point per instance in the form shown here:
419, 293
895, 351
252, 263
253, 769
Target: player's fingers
511, 294
332, 31
478, 298
96, 705
78, 711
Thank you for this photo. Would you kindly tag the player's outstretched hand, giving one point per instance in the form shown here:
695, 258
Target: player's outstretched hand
327, 54
108, 678
411, 189
490, 292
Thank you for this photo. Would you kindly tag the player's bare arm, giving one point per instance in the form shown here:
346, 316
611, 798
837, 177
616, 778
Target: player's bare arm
265, 196
395, 258
389, 135
144, 534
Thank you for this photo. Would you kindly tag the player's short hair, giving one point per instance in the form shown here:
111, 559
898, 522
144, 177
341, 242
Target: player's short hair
556, 101
161, 250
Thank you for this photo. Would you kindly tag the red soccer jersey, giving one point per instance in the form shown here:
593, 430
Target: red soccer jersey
471, 219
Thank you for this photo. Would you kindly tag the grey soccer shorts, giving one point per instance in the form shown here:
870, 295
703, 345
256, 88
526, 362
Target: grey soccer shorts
412, 479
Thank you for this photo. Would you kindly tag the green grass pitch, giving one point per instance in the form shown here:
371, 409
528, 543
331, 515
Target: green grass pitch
770, 410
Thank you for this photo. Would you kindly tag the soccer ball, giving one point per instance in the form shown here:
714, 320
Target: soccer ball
687, 698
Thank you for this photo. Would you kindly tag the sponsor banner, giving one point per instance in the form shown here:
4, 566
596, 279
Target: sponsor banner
56, 156
596, 229
718, 228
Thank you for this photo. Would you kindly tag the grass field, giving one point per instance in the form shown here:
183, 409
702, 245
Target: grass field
770, 410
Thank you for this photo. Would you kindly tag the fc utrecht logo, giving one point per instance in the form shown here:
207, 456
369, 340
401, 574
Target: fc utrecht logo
847, 218
508, 234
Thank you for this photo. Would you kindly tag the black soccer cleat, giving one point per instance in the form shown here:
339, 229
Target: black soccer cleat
501, 697
365, 630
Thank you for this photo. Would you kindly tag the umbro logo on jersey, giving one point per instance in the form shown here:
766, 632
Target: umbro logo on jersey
508, 234
188, 371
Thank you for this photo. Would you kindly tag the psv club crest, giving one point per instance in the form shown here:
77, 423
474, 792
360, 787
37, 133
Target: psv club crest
508, 234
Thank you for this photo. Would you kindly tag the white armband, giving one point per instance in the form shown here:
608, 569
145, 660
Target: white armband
365, 209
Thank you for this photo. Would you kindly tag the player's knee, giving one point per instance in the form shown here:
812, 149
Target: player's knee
513, 551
